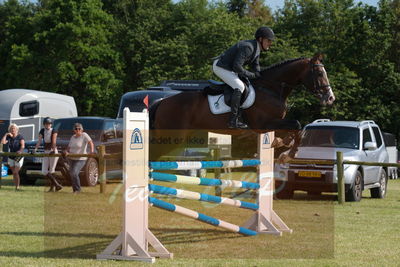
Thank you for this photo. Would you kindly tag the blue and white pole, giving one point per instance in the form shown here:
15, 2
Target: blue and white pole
201, 217
166, 177
185, 194
196, 165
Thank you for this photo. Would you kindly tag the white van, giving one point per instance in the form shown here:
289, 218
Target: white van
28, 108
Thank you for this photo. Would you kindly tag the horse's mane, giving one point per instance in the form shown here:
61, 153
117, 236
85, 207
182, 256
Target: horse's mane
279, 64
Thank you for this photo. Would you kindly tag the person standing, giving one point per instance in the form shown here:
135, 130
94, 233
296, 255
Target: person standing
78, 145
230, 68
16, 143
49, 136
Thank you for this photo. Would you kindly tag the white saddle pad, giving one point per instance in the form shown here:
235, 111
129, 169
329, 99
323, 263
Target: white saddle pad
218, 106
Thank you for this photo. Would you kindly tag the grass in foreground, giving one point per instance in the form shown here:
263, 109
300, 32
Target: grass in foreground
61, 229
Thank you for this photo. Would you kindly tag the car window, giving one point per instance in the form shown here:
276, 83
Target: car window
119, 127
366, 136
330, 136
109, 131
93, 127
29, 108
377, 136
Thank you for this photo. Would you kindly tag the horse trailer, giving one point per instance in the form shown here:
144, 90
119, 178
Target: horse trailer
27, 108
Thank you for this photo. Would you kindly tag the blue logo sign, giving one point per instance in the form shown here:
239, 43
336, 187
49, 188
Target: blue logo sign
136, 140
266, 140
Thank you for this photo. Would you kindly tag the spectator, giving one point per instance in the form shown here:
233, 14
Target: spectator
16, 143
78, 145
49, 136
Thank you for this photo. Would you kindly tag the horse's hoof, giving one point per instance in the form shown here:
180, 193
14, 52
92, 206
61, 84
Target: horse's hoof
277, 143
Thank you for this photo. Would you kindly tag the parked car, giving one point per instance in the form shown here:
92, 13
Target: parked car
103, 131
391, 148
358, 140
134, 100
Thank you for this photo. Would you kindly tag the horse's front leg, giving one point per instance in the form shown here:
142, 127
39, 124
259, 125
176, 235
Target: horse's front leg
296, 138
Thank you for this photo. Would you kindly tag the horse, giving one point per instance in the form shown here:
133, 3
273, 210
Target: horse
189, 111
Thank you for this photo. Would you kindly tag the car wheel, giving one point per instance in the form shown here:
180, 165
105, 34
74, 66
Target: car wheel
380, 192
284, 191
91, 173
355, 191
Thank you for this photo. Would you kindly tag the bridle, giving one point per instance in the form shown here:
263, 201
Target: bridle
318, 89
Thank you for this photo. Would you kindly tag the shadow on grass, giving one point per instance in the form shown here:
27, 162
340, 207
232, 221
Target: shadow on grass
52, 234
168, 236
85, 251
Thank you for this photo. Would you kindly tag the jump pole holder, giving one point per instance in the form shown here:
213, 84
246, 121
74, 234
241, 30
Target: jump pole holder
265, 220
134, 240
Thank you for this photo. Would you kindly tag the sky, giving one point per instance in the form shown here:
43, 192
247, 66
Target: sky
275, 4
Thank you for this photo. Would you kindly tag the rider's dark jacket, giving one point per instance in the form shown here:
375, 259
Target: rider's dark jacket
243, 53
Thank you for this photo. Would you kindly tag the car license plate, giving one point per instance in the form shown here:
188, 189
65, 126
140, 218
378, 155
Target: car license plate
311, 174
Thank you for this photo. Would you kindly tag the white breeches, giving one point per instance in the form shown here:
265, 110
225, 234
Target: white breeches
49, 164
229, 77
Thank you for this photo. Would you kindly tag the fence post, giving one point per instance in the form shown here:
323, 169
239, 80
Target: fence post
217, 171
340, 177
101, 151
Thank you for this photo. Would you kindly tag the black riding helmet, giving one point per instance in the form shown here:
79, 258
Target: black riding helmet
47, 120
265, 32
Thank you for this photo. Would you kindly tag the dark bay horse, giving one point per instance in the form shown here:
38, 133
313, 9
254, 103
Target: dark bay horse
190, 110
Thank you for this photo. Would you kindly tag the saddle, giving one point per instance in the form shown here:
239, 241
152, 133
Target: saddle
219, 97
218, 88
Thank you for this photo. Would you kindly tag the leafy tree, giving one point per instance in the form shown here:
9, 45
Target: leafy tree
237, 6
15, 36
74, 55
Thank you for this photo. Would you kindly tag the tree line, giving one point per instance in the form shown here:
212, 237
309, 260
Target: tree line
96, 50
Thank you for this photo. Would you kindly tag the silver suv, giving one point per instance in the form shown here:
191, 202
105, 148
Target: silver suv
358, 140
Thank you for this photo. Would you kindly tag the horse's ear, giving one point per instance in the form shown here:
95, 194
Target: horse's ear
317, 57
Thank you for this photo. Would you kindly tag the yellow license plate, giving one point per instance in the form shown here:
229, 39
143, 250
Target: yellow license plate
310, 174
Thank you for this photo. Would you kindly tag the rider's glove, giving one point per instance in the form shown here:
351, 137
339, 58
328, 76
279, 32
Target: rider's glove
251, 75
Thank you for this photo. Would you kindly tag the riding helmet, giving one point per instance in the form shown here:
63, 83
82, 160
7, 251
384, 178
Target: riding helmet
47, 120
265, 32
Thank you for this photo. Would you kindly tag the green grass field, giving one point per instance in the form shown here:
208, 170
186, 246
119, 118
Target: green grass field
62, 229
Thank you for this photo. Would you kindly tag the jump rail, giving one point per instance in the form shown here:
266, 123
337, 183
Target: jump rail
201, 217
197, 165
166, 177
163, 190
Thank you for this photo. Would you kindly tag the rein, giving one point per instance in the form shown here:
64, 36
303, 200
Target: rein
319, 89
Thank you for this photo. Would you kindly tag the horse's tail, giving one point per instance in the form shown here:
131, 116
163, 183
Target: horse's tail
152, 112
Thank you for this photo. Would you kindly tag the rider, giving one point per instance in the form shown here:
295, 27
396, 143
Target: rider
48, 135
229, 67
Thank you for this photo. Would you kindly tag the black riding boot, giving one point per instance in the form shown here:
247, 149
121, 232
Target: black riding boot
54, 182
234, 121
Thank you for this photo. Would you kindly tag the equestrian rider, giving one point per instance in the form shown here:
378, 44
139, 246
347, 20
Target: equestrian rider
229, 67
48, 136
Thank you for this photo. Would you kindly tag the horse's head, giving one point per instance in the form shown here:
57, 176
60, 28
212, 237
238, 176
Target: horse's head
316, 80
